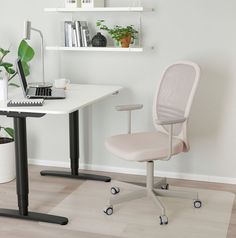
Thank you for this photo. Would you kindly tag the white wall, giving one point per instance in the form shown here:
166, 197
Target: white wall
197, 30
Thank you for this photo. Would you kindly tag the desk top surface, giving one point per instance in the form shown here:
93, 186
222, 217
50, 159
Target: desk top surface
77, 97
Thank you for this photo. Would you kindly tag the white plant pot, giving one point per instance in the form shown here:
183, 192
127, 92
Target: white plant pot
7, 162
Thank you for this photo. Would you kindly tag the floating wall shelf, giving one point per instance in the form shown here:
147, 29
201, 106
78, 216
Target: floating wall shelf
137, 48
95, 49
99, 9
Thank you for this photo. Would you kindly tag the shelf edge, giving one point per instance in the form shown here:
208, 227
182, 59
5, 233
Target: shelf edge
94, 49
105, 9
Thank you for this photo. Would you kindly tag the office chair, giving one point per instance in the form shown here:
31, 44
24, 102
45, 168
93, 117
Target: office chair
171, 107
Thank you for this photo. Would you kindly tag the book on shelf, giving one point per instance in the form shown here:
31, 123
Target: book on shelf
68, 33
74, 38
76, 34
84, 33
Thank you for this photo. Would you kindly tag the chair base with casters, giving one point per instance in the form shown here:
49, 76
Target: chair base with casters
153, 191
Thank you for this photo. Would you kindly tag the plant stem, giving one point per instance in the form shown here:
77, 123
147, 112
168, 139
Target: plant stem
2, 58
12, 76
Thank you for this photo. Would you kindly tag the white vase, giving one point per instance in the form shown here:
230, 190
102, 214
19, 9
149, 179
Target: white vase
3, 86
7, 161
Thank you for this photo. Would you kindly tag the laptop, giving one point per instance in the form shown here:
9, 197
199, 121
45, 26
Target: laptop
39, 92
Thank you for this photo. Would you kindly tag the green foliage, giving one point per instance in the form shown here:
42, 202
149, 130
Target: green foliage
9, 131
5, 65
118, 32
26, 54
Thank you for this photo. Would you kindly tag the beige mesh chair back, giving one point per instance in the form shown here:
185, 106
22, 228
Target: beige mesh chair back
171, 109
174, 97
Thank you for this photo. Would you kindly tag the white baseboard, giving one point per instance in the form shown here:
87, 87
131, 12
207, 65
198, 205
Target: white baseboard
186, 176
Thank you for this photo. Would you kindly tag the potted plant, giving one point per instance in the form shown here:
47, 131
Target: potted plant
123, 35
7, 146
5, 70
25, 52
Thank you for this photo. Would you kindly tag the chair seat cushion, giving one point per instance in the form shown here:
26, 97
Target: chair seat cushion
144, 146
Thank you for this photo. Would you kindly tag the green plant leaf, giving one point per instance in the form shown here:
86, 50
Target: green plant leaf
10, 70
4, 52
25, 52
10, 132
118, 32
6, 65
26, 68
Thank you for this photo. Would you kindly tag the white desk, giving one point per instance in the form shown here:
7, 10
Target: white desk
77, 97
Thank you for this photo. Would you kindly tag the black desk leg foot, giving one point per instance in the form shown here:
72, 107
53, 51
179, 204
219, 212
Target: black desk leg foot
81, 176
34, 216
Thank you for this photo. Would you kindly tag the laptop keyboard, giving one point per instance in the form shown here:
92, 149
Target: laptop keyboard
43, 92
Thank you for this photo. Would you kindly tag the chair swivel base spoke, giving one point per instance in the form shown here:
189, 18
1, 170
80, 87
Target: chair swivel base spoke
33, 216
82, 176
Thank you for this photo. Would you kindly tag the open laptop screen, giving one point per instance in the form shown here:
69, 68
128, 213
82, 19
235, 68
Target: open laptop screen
22, 75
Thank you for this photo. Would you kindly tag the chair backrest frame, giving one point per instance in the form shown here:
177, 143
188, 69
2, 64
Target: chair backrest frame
182, 131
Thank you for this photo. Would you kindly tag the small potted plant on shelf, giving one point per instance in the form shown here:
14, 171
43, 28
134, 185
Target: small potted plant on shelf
7, 73
123, 35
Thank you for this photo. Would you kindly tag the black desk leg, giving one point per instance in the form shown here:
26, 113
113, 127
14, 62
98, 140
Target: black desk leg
74, 155
22, 181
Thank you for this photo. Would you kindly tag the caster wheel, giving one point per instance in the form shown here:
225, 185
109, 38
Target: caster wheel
115, 190
163, 220
108, 210
165, 187
197, 204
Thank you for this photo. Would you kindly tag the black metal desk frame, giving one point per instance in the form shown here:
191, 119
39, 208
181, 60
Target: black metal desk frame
22, 183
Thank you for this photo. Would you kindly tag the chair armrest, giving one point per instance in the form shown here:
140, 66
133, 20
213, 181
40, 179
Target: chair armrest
130, 107
170, 121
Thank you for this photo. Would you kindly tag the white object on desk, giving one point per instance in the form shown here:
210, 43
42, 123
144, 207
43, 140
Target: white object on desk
25, 102
3, 86
61, 83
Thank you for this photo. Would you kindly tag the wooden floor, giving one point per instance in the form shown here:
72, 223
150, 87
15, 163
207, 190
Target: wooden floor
43, 199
